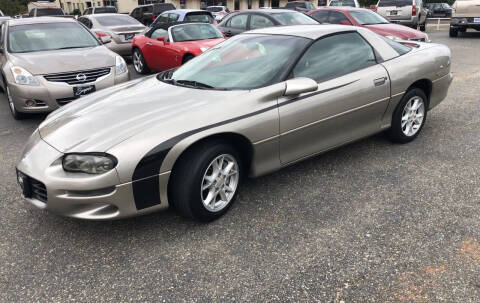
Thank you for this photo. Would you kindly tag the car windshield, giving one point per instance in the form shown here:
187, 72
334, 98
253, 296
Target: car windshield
114, 20
342, 3
290, 18
214, 9
368, 17
242, 62
192, 32
49, 36
397, 3
102, 10
49, 12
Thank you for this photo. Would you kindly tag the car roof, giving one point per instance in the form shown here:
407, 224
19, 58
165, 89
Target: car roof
184, 11
313, 31
268, 11
340, 8
106, 14
38, 20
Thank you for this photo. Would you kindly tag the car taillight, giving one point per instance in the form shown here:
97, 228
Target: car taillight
102, 34
154, 17
414, 10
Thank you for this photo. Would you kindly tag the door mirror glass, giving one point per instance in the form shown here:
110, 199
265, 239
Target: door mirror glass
161, 39
298, 86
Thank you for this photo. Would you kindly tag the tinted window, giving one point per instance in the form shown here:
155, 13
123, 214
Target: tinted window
398, 47
398, 3
337, 18
162, 19
239, 22
192, 32
160, 8
198, 17
293, 18
342, 3
214, 9
101, 10
321, 16
257, 21
366, 17
173, 17
335, 56
49, 12
117, 20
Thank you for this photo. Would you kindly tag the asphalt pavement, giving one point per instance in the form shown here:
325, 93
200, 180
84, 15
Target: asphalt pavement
369, 222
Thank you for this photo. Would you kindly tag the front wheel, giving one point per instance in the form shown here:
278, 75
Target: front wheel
205, 181
453, 32
409, 116
13, 109
139, 62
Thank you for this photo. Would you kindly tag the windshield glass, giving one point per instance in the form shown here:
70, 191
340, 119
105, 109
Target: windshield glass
49, 36
397, 3
114, 20
102, 10
367, 17
293, 18
191, 32
243, 62
49, 12
214, 9
198, 17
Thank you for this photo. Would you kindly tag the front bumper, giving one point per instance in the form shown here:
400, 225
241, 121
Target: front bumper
49, 96
83, 196
465, 22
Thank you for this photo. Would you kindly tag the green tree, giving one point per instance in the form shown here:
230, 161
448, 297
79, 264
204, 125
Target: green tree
12, 7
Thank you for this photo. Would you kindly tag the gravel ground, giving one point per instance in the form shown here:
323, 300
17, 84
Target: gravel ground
369, 222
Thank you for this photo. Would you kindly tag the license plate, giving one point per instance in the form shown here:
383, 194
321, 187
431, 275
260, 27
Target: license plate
476, 20
393, 13
79, 91
129, 36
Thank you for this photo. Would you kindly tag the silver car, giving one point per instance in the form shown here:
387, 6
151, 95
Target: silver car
118, 29
251, 105
48, 62
407, 12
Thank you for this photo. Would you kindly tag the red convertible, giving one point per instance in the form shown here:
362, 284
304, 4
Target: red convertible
161, 49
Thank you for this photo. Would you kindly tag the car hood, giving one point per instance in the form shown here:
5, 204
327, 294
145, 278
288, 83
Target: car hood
97, 122
398, 30
208, 43
66, 60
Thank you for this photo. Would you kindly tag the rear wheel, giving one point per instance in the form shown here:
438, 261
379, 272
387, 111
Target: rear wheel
422, 27
205, 181
409, 116
139, 62
453, 32
187, 58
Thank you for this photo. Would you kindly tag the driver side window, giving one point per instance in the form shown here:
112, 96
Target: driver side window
159, 32
335, 56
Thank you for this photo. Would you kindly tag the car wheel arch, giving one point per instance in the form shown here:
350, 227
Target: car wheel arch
425, 85
187, 55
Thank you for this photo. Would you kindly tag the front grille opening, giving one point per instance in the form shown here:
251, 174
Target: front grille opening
78, 77
39, 190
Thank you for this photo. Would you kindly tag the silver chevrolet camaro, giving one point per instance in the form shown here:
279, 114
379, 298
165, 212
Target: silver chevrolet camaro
249, 106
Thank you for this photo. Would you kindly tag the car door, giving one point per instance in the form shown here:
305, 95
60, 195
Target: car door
155, 52
352, 95
236, 25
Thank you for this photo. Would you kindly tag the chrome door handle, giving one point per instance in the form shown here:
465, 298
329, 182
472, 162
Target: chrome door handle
380, 81
148, 43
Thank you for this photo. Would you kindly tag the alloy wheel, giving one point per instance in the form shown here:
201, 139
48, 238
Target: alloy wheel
137, 61
219, 183
413, 116
10, 101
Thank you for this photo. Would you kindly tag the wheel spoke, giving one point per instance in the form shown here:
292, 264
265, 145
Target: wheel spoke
223, 195
228, 168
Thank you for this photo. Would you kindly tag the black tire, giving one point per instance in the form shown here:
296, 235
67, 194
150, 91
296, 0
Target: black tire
139, 63
453, 32
396, 133
422, 27
184, 189
187, 58
13, 110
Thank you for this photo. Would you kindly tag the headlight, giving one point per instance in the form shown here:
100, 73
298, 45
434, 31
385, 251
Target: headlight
203, 49
89, 163
395, 38
120, 66
23, 77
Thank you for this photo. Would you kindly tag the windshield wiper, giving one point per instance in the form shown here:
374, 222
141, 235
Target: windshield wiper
69, 47
191, 83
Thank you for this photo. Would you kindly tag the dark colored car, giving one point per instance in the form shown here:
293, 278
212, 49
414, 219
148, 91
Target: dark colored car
439, 10
179, 16
300, 6
146, 14
240, 22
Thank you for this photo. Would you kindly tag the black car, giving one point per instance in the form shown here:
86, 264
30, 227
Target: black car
237, 23
300, 6
439, 10
146, 14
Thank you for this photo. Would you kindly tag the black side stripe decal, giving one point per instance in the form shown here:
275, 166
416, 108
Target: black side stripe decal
146, 191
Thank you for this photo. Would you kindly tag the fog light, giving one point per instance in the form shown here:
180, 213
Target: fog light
30, 103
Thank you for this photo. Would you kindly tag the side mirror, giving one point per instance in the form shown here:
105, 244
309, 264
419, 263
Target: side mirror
106, 39
299, 86
345, 22
161, 39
